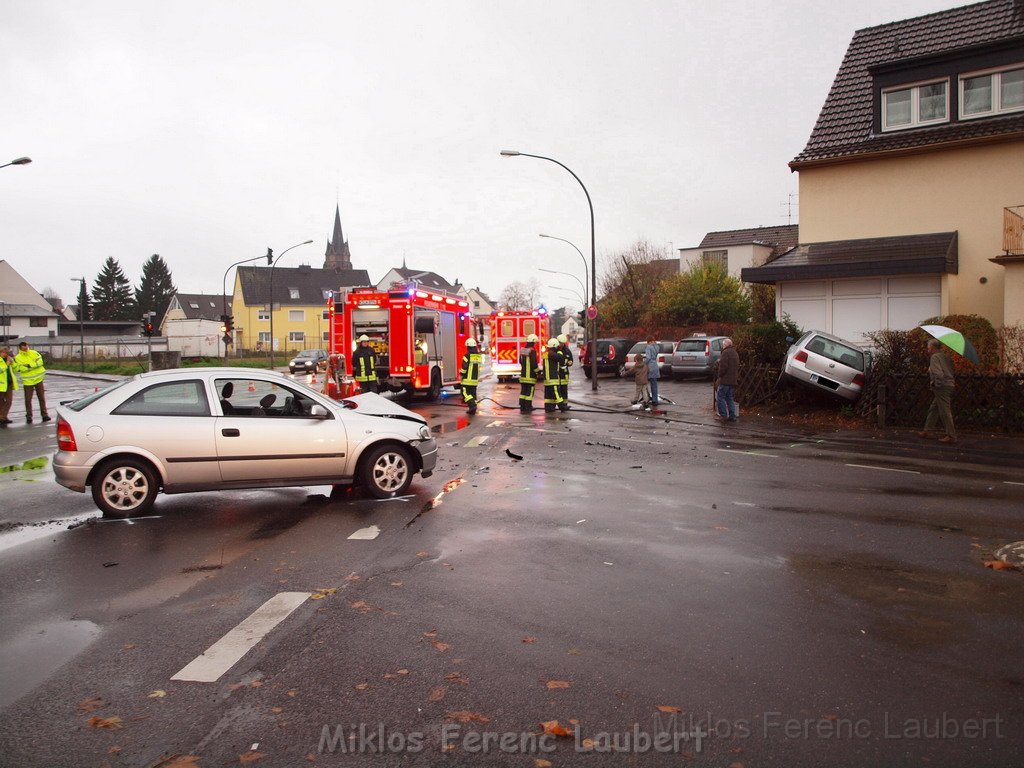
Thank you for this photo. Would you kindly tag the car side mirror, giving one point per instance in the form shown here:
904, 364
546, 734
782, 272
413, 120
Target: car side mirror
318, 412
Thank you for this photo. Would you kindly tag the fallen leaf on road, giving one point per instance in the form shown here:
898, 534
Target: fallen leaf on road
92, 704
403, 671
396, 583
422, 553
431, 633
587, 743
663, 708
437, 694
539, 762
555, 684
317, 597
157, 694
999, 565
293, 692
353, 577
575, 652
465, 716
327, 590
105, 722
277, 710
456, 677
442, 647
179, 761
128, 646
736, 765
363, 687
552, 727
256, 684
250, 757
529, 639
311, 757
363, 606
114, 750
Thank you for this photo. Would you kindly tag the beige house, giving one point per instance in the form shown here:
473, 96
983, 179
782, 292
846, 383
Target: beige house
737, 249
911, 176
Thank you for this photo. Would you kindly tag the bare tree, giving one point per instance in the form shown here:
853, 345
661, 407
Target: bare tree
631, 278
520, 296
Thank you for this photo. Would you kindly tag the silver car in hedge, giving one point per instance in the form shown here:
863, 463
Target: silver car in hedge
205, 429
821, 361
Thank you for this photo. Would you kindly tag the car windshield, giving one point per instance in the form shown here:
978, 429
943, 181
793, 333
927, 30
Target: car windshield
692, 345
92, 398
309, 353
837, 352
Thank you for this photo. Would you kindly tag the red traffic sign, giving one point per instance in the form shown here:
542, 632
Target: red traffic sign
591, 312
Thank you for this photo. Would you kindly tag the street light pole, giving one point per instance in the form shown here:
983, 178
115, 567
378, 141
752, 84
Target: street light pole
81, 320
593, 253
583, 297
274, 264
586, 268
224, 285
18, 161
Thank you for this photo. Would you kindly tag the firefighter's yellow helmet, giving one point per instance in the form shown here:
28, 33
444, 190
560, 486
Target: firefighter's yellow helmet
470, 342
552, 343
532, 338
364, 337
563, 339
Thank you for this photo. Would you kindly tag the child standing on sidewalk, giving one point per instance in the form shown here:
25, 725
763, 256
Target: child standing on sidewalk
643, 384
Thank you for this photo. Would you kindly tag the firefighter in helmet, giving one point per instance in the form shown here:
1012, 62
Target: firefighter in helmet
563, 383
364, 365
470, 375
552, 377
527, 373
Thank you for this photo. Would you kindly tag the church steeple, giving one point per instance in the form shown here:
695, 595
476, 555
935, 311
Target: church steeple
337, 255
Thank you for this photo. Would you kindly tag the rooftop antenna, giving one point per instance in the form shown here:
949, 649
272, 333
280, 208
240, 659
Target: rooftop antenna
789, 206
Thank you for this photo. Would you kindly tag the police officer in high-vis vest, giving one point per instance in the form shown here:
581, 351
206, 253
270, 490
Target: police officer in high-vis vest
563, 381
527, 374
8, 383
364, 365
29, 366
552, 377
470, 375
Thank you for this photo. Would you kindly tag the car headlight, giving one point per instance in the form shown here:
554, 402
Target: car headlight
424, 432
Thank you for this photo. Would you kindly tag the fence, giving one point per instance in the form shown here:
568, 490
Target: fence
107, 348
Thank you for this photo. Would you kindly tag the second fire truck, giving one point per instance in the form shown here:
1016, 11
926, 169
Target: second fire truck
419, 335
509, 332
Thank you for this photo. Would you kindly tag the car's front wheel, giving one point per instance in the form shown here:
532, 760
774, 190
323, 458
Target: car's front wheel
124, 488
387, 471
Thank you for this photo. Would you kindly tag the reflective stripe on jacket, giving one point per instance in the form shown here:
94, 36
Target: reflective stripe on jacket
364, 364
29, 365
553, 367
566, 363
470, 373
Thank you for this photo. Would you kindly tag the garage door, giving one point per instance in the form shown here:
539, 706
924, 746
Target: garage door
851, 309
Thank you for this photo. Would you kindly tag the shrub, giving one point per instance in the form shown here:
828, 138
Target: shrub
979, 332
703, 293
765, 343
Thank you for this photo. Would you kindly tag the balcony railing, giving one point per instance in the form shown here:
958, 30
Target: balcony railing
1013, 230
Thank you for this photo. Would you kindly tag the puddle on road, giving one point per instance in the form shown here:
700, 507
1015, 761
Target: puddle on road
26, 533
37, 653
447, 427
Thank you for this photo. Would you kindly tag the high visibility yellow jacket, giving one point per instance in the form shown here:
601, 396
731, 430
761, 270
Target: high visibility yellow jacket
470, 373
5, 371
528, 366
553, 366
566, 363
364, 364
29, 365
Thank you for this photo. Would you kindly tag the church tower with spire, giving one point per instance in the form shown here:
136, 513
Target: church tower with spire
337, 256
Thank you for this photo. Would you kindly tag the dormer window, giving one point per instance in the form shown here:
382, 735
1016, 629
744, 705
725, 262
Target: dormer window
991, 93
915, 105
293, 293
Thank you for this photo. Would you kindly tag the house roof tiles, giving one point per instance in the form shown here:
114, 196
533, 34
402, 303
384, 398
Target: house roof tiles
309, 284
845, 126
200, 306
780, 238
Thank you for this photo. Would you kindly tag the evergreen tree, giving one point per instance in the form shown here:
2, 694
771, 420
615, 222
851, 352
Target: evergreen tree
84, 302
112, 294
155, 288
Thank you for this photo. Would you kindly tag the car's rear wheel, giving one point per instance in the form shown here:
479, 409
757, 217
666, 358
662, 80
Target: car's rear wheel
387, 471
124, 488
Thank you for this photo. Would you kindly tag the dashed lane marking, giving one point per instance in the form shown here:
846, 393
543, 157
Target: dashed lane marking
366, 534
226, 652
479, 440
749, 453
1012, 482
885, 469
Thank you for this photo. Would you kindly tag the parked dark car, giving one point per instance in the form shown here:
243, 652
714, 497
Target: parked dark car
611, 356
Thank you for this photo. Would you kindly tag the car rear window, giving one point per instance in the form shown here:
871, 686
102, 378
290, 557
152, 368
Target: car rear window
640, 346
92, 398
839, 353
692, 345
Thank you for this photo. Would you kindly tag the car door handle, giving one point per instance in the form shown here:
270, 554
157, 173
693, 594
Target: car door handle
230, 433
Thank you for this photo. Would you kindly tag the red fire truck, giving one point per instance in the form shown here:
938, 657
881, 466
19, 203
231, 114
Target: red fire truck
419, 335
509, 331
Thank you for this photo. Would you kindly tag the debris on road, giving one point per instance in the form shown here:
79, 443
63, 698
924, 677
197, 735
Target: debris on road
513, 456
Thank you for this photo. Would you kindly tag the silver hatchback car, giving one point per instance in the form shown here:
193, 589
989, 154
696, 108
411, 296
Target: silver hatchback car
821, 361
697, 356
205, 429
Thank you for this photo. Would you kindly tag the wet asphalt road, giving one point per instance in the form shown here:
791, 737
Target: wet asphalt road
799, 600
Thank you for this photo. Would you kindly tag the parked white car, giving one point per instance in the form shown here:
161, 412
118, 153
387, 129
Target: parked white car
827, 363
204, 429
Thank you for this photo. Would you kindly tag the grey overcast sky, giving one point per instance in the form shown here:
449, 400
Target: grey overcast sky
208, 131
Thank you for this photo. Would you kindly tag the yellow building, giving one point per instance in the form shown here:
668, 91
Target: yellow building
910, 178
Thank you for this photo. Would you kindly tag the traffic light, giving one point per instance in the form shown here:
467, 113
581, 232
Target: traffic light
147, 329
227, 323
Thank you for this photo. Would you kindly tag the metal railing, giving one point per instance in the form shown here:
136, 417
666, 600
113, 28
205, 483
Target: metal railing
1013, 230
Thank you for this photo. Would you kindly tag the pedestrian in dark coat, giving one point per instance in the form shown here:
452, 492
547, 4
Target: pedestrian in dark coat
726, 381
942, 381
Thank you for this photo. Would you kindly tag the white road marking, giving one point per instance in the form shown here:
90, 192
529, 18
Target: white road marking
366, 534
632, 440
496, 424
1012, 482
885, 469
479, 440
396, 498
749, 453
744, 504
226, 652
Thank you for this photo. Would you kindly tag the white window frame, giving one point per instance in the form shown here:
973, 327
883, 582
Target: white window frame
296, 337
915, 105
293, 293
263, 314
997, 92
264, 338
296, 315
327, 338
716, 256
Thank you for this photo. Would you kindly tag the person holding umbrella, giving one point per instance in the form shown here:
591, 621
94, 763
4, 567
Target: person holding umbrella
942, 381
